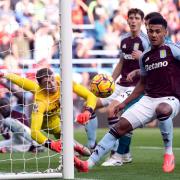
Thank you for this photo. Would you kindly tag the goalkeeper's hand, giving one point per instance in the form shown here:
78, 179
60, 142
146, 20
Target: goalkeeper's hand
54, 145
84, 117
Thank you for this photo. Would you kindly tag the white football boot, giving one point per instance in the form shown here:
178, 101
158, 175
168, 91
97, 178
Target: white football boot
118, 159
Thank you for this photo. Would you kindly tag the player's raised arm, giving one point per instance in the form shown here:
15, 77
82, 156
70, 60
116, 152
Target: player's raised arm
22, 82
90, 98
83, 92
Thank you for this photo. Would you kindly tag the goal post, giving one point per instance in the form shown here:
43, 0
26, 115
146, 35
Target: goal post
66, 74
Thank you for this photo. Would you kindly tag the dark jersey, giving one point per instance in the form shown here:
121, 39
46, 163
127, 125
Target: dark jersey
161, 68
127, 46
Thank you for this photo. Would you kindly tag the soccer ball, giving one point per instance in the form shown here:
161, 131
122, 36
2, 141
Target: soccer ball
102, 85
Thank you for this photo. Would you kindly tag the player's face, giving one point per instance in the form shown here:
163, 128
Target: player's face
5, 110
135, 22
49, 84
156, 34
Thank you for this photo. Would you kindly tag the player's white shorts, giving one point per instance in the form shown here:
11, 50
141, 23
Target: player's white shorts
143, 111
120, 94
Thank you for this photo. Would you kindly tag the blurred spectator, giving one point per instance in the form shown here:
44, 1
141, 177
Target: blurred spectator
24, 10
95, 9
21, 43
5, 46
43, 44
101, 26
11, 63
51, 10
39, 10
79, 12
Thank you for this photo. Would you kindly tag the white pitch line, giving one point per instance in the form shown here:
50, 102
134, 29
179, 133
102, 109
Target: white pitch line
153, 147
85, 179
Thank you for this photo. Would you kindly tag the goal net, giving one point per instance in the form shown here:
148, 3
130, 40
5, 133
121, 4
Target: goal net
34, 35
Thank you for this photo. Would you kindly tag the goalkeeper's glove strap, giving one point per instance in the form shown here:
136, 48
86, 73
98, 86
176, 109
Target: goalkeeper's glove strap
47, 143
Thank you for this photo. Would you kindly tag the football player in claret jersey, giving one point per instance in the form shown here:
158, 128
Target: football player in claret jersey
121, 156
158, 81
46, 107
166, 125
132, 45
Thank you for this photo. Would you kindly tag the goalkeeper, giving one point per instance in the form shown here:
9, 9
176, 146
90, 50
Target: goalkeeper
46, 107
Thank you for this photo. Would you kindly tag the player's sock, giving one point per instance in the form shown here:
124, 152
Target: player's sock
112, 121
166, 128
90, 128
124, 144
104, 146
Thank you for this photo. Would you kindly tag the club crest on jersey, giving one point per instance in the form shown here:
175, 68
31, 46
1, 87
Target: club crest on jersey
162, 53
35, 107
124, 46
136, 46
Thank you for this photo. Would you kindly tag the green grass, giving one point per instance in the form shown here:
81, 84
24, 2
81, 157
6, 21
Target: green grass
147, 162
146, 165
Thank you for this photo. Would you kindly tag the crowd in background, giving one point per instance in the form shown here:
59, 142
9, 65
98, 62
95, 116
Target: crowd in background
29, 29
108, 18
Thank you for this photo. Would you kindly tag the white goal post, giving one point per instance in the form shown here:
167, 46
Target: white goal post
67, 103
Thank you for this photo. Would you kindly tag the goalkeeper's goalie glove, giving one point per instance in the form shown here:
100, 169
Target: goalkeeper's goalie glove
53, 145
84, 117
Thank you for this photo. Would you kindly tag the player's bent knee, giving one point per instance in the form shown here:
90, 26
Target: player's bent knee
163, 111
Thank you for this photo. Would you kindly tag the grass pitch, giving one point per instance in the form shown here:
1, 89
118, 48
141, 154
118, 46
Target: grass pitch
147, 151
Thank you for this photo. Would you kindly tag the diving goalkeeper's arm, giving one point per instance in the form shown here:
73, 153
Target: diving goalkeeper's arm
91, 100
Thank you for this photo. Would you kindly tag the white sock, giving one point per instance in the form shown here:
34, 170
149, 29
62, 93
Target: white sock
90, 163
168, 150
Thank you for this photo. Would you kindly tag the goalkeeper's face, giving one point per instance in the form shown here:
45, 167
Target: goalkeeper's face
49, 84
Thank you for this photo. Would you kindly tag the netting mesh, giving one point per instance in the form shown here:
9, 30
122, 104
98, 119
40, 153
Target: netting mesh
29, 40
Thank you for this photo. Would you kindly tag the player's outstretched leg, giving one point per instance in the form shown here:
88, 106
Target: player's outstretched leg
122, 155
166, 128
164, 112
105, 145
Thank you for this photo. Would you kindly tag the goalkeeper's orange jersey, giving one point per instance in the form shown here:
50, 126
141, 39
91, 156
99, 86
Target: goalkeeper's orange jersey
47, 104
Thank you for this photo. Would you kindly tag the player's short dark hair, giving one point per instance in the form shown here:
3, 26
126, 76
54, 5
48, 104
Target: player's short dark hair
136, 11
4, 101
44, 72
158, 21
152, 15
